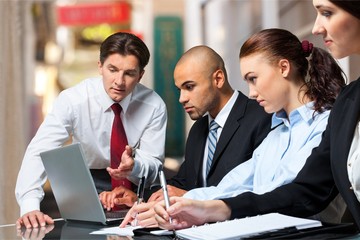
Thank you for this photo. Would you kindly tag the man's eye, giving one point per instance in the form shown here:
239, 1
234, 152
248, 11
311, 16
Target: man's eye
189, 87
131, 74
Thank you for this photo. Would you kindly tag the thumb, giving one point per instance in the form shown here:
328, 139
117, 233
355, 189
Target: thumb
124, 201
128, 150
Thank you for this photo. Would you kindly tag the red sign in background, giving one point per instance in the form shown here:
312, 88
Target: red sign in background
95, 13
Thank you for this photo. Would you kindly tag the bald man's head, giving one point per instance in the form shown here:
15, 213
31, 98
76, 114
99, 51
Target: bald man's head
200, 76
204, 58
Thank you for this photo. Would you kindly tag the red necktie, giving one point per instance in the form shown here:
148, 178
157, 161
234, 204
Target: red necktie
117, 146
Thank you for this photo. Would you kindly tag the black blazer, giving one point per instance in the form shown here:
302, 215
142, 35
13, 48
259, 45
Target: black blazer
245, 128
324, 174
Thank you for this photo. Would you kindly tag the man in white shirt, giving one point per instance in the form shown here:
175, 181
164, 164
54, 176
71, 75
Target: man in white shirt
83, 113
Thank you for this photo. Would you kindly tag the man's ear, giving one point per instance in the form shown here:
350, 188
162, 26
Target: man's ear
100, 67
284, 66
219, 78
141, 75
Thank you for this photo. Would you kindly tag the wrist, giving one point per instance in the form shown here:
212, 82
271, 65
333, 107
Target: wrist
216, 210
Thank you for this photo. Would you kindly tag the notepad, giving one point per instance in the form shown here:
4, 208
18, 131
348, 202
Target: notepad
246, 227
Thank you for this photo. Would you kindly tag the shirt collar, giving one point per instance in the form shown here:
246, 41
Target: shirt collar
225, 111
304, 113
106, 101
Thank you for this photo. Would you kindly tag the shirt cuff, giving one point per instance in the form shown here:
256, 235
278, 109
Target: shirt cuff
28, 205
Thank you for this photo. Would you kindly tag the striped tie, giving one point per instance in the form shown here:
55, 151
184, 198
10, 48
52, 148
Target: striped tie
211, 143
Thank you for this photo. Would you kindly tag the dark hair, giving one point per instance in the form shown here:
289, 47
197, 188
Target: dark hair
351, 6
125, 44
325, 78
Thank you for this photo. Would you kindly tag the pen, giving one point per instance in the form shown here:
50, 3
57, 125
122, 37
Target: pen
140, 193
166, 196
140, 190
165, 192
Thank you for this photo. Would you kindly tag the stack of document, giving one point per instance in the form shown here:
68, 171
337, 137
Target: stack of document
246, 227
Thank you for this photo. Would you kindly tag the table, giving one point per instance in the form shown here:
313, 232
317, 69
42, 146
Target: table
66, 230
71, 230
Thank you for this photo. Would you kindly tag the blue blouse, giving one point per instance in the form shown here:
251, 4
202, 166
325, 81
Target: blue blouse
277, 160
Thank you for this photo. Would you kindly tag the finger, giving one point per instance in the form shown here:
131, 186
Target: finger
27, 222
155, 196
116, 173
108, 201
103, 197
147, 222
125, 167
38, 219
162, 223
19, 223
159, 209
145, 207
124, 201
130, 216
128, 150
48, 220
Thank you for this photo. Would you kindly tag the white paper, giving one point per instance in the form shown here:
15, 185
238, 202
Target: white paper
126, 231
245, 227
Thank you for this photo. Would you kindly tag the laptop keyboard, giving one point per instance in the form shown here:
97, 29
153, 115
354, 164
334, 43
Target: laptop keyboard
116, 214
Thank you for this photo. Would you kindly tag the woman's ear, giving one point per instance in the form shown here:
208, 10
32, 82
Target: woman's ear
284, 66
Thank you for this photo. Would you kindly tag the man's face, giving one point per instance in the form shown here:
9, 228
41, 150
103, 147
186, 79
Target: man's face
120, 75
198, 93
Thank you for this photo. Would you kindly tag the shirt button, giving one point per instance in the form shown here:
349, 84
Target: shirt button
349, 164
351, 188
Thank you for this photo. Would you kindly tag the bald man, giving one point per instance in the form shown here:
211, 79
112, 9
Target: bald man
206, 95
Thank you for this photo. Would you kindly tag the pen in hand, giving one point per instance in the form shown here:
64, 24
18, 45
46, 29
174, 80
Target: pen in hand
165, 192
166, 196
140, 193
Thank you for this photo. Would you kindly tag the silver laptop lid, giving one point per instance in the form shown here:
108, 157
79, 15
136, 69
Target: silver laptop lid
72, 184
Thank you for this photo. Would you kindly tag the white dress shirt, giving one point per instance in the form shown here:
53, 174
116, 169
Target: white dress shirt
83, 113
277, 160
353, 164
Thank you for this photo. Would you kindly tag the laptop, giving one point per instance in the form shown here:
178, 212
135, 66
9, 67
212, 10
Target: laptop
73, 187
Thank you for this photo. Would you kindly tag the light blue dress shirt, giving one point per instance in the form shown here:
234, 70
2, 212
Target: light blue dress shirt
277, 160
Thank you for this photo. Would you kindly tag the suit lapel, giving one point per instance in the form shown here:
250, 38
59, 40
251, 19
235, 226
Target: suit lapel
348, 118
231, 125
201, 143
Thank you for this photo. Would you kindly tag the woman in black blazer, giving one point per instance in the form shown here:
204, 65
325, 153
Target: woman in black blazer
326, 172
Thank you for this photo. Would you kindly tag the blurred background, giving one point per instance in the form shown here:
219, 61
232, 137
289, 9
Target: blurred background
49, 45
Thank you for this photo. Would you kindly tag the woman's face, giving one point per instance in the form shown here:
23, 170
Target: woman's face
339, 29
266, 83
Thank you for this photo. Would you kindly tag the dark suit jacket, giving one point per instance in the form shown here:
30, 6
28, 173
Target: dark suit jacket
246, 126
324, 174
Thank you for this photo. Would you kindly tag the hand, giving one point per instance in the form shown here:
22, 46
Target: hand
118, 196
125, 167
183, 212
187, 212
172, 192
34, 219
35, 233
143, 213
